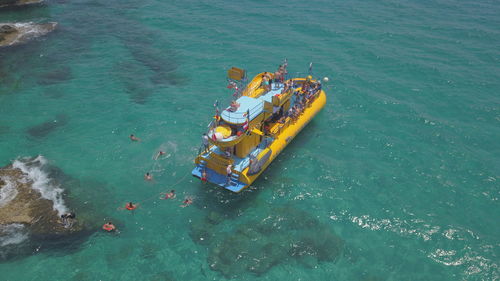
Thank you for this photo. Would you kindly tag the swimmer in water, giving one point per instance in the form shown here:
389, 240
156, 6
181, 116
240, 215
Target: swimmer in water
148, 176
134, 138
170, 195
204, 176
160, 153
131, 206
186, 202
109, 226
67, 219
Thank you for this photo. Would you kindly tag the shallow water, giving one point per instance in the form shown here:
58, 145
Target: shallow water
401, 166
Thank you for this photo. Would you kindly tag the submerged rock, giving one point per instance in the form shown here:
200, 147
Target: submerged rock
286, 234
18, 33
15, 3
45, 128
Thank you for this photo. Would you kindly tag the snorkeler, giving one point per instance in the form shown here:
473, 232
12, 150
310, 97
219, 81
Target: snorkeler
67, 219
186, 202
160, 153
109, 226
130, 206
134, 138
148, 176
170, 195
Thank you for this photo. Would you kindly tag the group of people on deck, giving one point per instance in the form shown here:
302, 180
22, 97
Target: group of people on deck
304, 97
278, 77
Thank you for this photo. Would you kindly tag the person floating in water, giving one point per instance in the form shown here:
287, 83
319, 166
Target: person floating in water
204, 177
160, 153
67, 219
130, 206
109, 227
170, 195
186, 202
134, 138
148, 176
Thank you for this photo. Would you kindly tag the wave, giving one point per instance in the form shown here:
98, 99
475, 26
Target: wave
472, 260
7, 192
11, 234
30, 30
41, 182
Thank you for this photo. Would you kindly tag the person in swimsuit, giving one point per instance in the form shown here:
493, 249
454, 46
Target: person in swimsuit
160, 153
186, 202
148, 176
130, 206
204, 177
170, 195
134, 138
109, 227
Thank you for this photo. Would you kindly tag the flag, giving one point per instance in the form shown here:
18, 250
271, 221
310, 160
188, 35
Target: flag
245, 125
216, 105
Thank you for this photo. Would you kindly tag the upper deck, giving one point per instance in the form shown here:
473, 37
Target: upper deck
254, 106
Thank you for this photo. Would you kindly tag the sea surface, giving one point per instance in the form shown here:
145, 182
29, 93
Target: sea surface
398, 178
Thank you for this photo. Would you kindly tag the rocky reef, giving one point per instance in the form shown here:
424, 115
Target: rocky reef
284, 235
18, 33
16, 3
30, 208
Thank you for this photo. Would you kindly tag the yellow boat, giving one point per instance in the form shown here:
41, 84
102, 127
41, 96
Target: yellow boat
247, 136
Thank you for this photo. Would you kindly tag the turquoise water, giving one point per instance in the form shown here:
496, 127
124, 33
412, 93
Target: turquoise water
396, 179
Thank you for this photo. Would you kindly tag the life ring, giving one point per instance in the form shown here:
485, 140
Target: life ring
108, 227
130, 208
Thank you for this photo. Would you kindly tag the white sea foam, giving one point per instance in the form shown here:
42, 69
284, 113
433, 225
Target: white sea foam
10, 234
7, 192
30, 30
33, 168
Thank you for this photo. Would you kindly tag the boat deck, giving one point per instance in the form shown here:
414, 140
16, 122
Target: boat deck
240, 164
218, 179
254, 106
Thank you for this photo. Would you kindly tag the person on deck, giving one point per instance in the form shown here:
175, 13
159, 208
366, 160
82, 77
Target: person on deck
204, 176
204, 140
229, 171
234, 106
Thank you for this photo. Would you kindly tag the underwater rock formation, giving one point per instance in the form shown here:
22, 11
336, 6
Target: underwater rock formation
284, 235
15, 3
42, 130
27, 201
18, 33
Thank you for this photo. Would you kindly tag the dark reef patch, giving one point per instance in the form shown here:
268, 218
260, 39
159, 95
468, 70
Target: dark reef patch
42, 130
285, 235
55, 76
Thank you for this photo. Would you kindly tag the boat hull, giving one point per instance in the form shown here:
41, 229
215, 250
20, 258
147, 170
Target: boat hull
281, 140
288, 134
